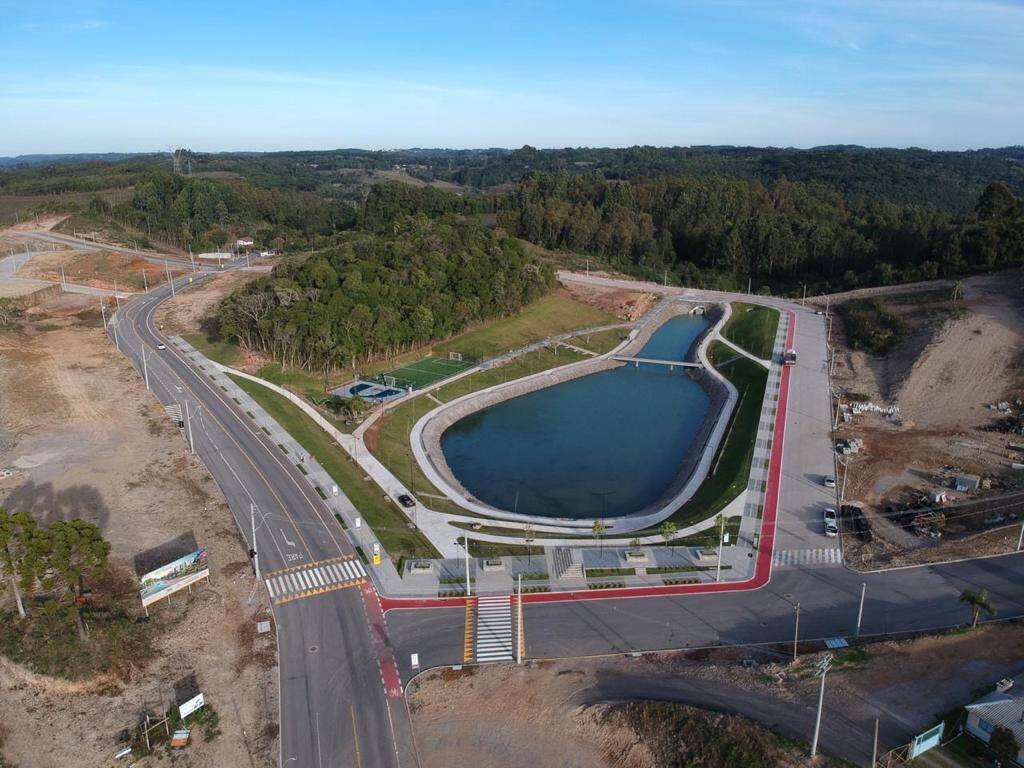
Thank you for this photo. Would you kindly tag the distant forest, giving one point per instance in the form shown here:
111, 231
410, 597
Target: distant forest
398, 263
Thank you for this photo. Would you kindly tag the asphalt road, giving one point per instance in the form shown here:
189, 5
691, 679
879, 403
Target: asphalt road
334, 711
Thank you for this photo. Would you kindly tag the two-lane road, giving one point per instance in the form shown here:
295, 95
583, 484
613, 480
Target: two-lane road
334, 710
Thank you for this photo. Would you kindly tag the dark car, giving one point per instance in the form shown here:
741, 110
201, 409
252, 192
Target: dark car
406, 500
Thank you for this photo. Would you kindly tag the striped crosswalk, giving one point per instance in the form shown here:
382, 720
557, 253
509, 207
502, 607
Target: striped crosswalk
314, 579
820, 556
494, 628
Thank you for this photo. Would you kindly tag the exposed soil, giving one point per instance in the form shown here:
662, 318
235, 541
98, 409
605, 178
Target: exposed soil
87, 440
99, 269
953, 363
627, 304
185, 313
557, 713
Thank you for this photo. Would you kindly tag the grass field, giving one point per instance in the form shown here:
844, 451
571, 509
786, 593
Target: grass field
753, 328
602, 341
553, 314
423, 373
386, 520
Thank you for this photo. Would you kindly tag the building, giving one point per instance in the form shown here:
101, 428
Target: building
1002, 707
244, 242
966, 483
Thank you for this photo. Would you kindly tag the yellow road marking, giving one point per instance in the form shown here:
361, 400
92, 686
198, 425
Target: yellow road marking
467, 647
313, 564
318, 591
521, 628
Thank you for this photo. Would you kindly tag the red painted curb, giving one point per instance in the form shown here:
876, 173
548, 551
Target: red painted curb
766, 545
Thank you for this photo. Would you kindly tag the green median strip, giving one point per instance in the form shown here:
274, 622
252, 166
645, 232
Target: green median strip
753, 327
387, 522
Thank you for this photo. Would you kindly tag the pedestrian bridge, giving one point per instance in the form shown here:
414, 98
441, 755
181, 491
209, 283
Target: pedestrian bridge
655, 361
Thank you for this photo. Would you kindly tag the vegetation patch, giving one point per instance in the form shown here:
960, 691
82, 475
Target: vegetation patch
870, 326
753, 327
597, 572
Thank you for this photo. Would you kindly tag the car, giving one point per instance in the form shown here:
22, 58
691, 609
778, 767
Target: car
830, 514
161, 346
829, 481
406, 500
831, 522
831, 529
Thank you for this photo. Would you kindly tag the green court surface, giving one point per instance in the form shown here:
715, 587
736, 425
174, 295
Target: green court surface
423, 372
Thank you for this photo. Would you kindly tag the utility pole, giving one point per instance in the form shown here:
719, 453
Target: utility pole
145, 370
860, 611
188, 425
803, 301
63, 282
823, 667
168, 271
252, 552
721, 546
116, 299
796, 630
842, 489
103, 313
469, 586
749, 284
114, 326
874, 748
1020, 539
519, 623
145, 282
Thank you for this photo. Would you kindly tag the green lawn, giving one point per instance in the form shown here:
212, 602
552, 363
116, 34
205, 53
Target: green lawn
533, 362
386, 520
602, 341
752, 327
223, 352
552, 314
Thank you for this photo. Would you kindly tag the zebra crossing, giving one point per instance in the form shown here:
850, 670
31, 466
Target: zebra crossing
494, 628
314, 579
820, 556
174, 412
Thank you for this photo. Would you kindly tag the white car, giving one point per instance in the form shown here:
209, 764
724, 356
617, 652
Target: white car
829, 481
161, 346
831, 522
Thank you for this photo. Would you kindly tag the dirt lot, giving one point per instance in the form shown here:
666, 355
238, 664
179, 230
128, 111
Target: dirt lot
629, 305
553, 713
87, 440
99, 269
953, 361
184, 313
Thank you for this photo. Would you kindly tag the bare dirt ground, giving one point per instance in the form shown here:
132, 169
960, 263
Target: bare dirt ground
629, 305
99, 269
185, 313
942, 376
553, 713
86, 440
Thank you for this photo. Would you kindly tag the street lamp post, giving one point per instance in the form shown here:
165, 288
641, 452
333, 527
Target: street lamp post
823, 667
796, 629
860, 610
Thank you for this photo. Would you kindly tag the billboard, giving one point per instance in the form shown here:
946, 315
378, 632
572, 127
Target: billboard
168, 579
925, 741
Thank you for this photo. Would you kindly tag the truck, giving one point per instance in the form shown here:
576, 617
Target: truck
789, 357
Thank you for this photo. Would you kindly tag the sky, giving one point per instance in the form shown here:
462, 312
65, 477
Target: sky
219, 75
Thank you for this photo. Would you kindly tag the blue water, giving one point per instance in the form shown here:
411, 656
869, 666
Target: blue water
606, 444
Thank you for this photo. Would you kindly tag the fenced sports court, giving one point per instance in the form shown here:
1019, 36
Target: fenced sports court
425, 372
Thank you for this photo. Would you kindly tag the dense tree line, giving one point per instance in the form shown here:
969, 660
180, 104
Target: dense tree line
380, 294
204, 213
719, 232
387, 202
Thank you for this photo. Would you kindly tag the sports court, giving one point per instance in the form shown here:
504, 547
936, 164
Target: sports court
425, 372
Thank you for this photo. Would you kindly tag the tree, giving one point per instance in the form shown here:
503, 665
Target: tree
958, 290
668, 531
1003, 744
76, 551
979, 602
598, 528
16, 531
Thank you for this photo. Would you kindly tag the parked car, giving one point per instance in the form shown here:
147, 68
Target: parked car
161, 346
831, 522
829, 481
406, 500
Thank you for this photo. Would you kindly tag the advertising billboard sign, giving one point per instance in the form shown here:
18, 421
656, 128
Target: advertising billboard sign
168, 579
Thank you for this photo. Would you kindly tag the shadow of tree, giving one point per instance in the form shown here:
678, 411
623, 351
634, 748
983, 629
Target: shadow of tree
49, 506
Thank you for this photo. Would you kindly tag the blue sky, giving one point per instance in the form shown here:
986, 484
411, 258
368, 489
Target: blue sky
92, 75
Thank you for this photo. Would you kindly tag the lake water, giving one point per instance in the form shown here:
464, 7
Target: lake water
606, 444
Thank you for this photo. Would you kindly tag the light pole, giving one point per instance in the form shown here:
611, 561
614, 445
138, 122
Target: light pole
519, 622
860, 610
721, 546
145, 370
796, 630
252, 552
845, 464
463, 541
823, 667
188, 425
1020, 539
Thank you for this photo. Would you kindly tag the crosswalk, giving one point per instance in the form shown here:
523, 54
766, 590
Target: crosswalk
820, 556
494, 628
314, 579
174, 412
